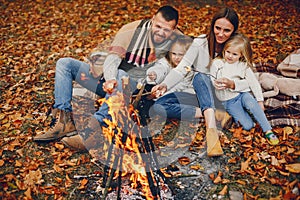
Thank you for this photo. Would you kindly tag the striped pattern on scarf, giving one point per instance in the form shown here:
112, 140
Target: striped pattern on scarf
133, 43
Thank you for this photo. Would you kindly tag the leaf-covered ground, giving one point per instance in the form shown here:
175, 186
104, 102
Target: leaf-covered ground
34, 34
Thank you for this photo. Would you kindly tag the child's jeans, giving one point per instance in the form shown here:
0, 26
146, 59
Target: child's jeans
239, 107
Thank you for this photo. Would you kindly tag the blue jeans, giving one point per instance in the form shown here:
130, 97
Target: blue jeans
203, 88
239, 107
176, 105
182, 105
67, 71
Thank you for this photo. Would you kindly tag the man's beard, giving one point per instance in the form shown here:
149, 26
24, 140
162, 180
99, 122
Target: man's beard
157, 43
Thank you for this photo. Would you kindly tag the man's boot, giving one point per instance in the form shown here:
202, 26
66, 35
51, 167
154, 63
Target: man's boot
88, 139
64, 126
213, 143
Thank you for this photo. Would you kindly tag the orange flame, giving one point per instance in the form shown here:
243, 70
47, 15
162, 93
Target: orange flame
122, 123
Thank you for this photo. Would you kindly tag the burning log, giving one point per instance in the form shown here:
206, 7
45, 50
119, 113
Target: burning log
131, 148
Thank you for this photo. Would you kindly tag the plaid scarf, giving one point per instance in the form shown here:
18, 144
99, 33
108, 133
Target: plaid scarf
141, 49
134, 44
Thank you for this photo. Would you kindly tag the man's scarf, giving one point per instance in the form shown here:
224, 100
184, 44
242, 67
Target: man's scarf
134, 43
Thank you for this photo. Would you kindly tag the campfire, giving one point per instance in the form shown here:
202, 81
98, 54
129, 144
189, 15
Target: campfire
129, 151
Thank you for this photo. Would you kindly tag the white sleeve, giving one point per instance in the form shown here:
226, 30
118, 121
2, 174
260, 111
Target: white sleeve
110, 66
161, 68
254, 85
215, 65
197, 56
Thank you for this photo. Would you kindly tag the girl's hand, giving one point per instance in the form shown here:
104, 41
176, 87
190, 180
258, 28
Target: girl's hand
218, 85
223, 83
159, 90
261, 105
152, 76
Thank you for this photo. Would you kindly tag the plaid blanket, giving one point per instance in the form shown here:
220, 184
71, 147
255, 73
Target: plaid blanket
280, 109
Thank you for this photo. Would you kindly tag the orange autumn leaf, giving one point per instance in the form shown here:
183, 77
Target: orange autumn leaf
217, 180
224, 181
288, 130
57, 168
224, 190
18, 163
283, 173
58, 179
83, 183
68, 182
1, 163
232, 160
294, 168
184, 160
274, 161
241, 182
28, 193
59, 146
293, 183
21, 185
245, 165
197, 167
290, 150
33, 178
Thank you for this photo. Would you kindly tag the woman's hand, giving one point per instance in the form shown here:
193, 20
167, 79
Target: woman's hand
223, 83
109, 86
159, 90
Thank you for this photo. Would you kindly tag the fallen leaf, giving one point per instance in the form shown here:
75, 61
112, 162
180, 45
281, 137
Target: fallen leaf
83, 183
68, 182
1, 163
224, 190
294, 168
274, 161
184, 160
197, 167
241, 182
18, 163
28, 193
217, 180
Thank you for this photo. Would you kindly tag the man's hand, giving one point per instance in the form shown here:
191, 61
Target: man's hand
109, 86
159, 90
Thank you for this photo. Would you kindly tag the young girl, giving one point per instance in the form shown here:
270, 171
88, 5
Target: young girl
182, 91
237, 100
159, 71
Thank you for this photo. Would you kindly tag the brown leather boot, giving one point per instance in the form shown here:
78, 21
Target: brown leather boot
75, 142
64, 126
213, 143
88, 139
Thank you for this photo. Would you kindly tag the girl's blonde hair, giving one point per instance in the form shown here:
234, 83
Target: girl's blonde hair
182, 40
243, 44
